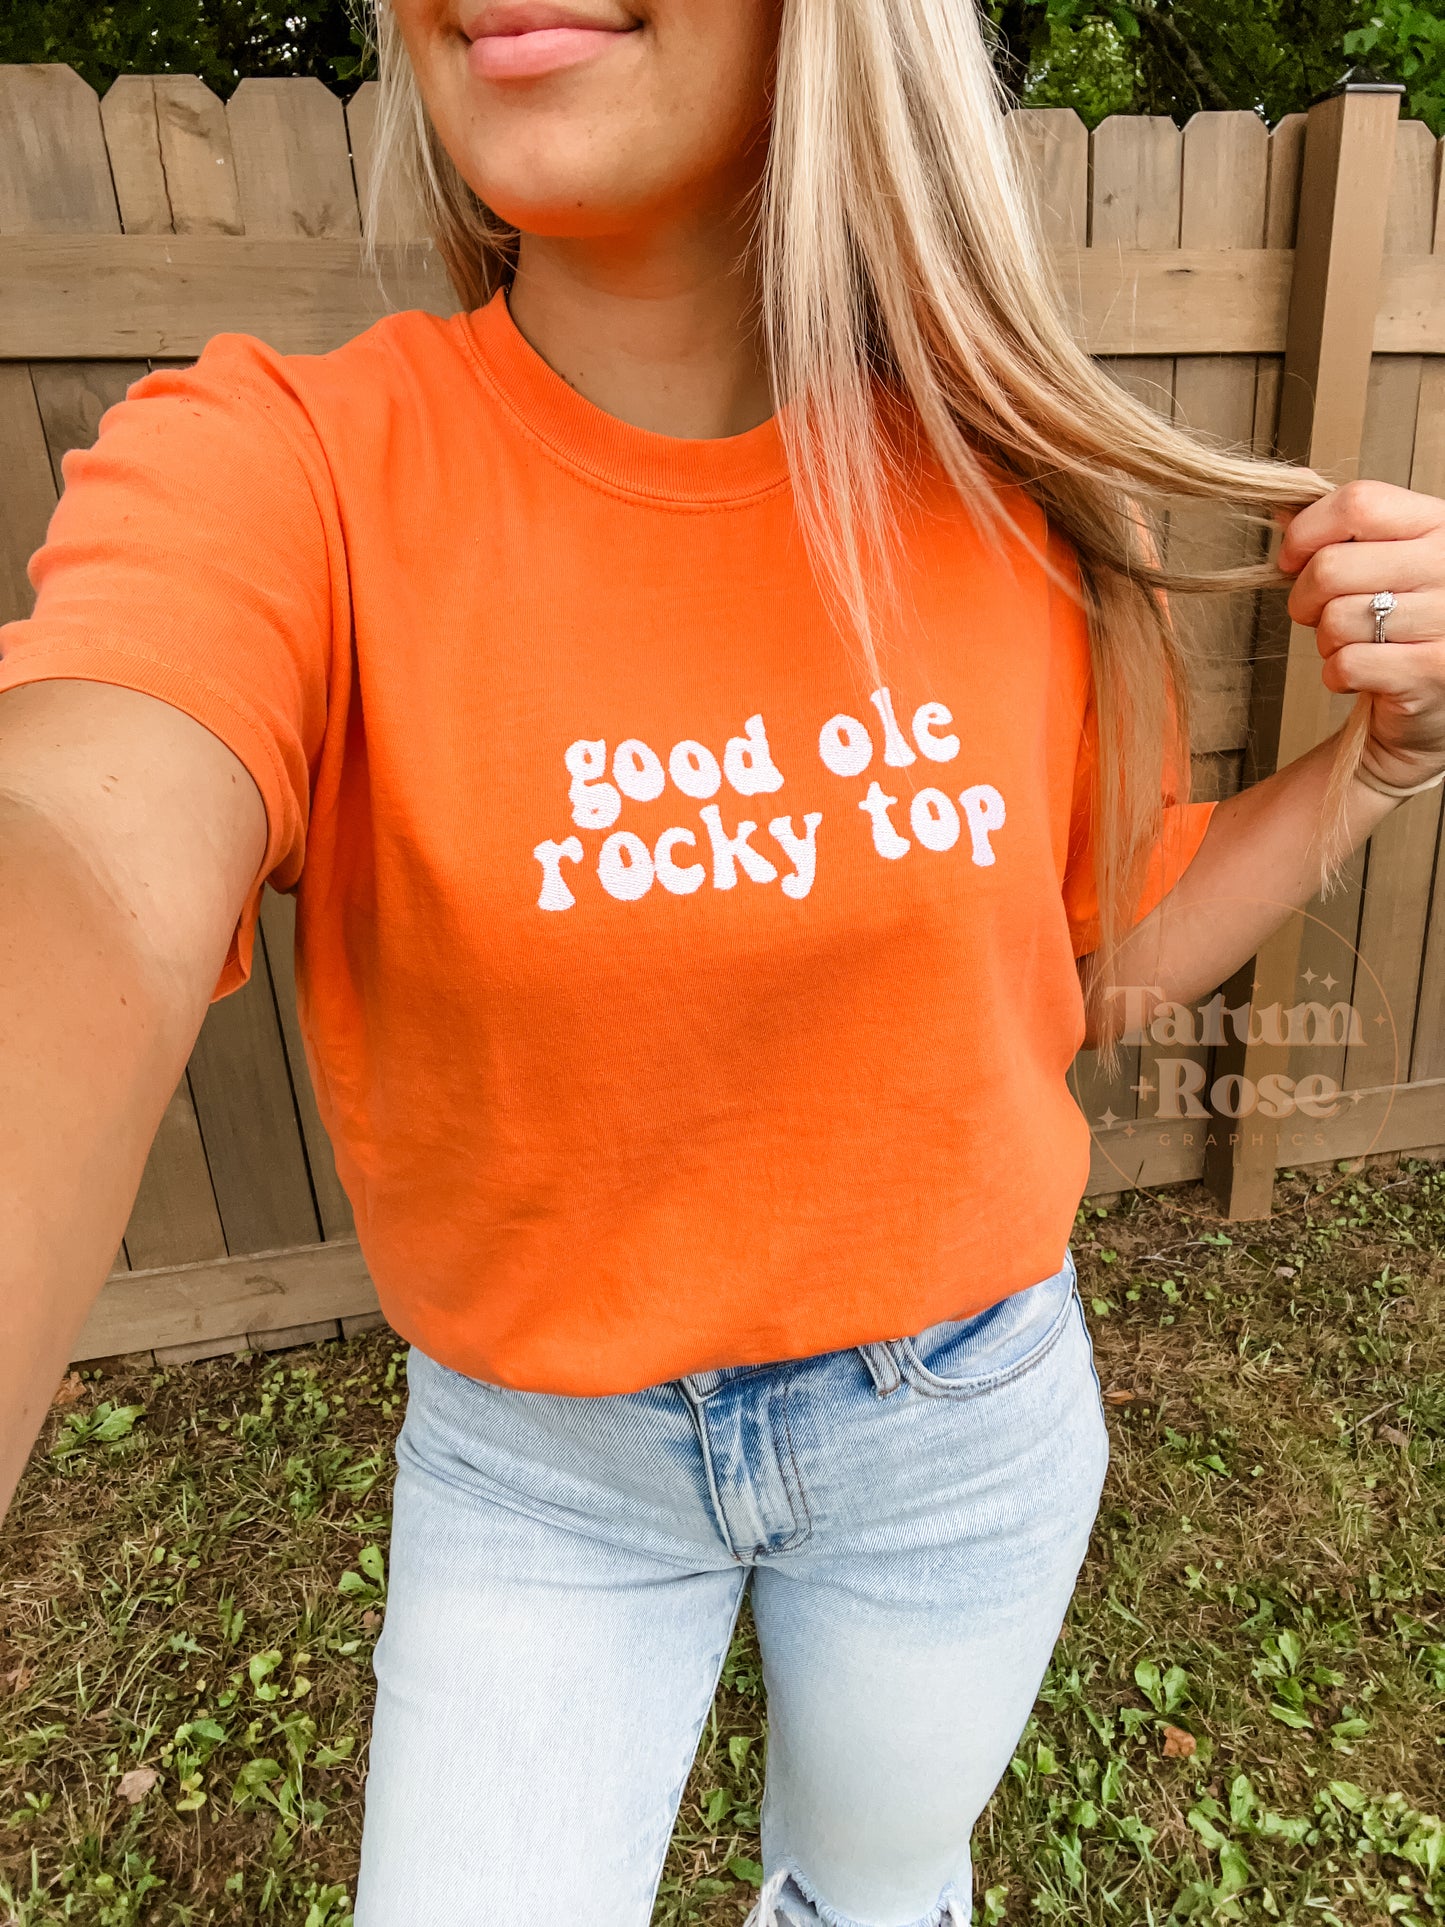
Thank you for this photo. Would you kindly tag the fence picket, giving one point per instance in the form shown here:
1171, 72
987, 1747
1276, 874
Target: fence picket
56, 179
1281, 210
29, 488
242, 1093
278, 933
1137, 176
1428, 1055
293, 166
1137, 165
1269, 628
1052, 145
1225, 168
195, 143
174, 1220
1223, 179
399, 211
1428, 473
132, 139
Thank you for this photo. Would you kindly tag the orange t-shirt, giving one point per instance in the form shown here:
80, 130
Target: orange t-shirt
673, 998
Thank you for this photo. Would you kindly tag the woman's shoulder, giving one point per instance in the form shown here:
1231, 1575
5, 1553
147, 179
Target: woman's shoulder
405, 365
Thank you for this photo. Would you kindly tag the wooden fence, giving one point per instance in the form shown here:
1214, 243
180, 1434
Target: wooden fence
1279, 288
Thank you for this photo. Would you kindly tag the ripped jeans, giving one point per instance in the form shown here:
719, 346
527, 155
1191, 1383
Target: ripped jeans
565, 1577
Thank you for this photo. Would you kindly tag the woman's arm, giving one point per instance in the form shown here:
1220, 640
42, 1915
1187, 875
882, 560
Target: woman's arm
1259, 860
129, 836
1261, 857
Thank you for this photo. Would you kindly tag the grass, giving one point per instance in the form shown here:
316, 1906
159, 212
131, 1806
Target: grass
1244, 1720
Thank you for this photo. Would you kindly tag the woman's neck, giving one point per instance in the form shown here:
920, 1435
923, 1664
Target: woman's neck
663, 335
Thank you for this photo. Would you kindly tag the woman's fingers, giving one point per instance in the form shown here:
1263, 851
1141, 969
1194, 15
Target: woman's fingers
1360, 512
1362, 568
1416, 617
1413, 671
1343, 551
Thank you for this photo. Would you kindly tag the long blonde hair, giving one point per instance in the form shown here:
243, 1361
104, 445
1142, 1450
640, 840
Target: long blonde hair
900, 262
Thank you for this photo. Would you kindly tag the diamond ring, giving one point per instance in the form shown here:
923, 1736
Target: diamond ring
1380, 607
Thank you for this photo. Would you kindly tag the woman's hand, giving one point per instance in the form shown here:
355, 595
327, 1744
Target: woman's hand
1261, 852
1365, 537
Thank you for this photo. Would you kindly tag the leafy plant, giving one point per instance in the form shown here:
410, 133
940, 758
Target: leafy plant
102, 1426
1409, 43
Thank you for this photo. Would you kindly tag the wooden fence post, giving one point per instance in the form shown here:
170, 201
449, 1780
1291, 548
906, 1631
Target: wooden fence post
1344, 194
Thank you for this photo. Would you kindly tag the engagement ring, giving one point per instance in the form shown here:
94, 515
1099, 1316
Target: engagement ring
1380, 607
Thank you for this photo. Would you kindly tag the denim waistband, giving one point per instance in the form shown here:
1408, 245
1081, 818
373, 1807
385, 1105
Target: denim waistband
878, 1356
887, 1359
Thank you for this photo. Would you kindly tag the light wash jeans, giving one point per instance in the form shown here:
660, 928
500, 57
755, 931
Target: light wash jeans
565, 1577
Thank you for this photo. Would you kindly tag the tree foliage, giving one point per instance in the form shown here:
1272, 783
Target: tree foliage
1177, 56
221, 40
1098, 56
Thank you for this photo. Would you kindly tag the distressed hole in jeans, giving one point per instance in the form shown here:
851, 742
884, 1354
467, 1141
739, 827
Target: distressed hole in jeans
778, 1907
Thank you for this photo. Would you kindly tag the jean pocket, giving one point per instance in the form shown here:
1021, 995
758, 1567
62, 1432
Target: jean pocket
961, 1357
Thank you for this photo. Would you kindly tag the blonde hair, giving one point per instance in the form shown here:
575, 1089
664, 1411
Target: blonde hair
901, 263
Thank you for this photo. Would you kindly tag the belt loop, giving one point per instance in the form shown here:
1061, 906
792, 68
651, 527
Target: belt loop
702, 1385
882, 1366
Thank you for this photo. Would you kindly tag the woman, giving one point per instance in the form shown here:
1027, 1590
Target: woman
720, 687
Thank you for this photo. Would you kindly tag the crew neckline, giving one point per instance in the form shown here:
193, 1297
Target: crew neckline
673, 468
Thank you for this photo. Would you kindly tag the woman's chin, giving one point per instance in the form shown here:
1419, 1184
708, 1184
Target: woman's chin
565, 217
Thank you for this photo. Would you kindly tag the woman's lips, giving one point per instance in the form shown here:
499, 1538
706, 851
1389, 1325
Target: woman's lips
544, 50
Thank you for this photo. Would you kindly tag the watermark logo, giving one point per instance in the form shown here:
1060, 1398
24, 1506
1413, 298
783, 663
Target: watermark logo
1296, 1062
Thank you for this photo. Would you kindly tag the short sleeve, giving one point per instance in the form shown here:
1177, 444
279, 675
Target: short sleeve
1182, 829
1181, 834
194, 556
